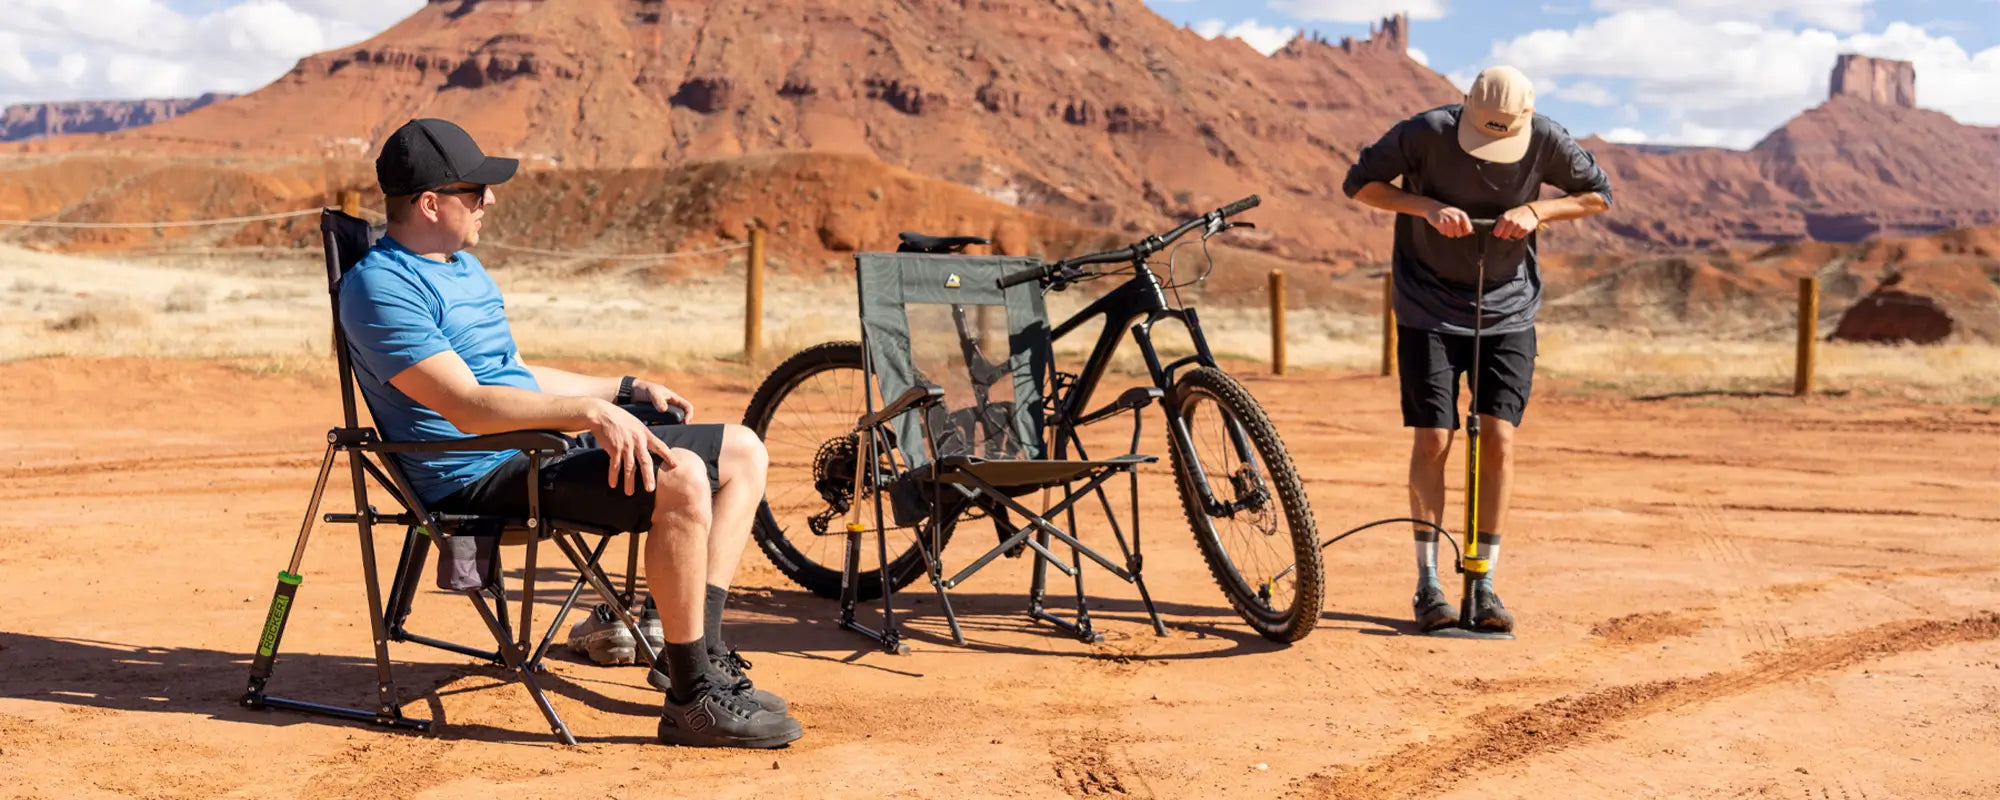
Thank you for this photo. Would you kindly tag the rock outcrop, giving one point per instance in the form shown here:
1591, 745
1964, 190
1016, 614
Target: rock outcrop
1875, 80
1098, 113
34, 120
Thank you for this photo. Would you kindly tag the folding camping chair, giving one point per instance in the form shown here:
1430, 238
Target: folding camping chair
961, 431
468, 544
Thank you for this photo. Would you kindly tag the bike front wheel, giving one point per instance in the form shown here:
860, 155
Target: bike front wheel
1247, 505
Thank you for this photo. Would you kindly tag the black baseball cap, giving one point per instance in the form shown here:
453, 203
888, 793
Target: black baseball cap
427, 153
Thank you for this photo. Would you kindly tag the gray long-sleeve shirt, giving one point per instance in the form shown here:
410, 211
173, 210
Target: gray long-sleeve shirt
1435, 274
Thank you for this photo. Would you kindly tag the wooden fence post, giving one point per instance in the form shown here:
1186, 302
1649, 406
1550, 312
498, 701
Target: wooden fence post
350, 202
1388, 323
1802, 378
1277, 322
753, 300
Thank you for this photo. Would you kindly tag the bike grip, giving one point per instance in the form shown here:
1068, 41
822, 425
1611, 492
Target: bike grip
1241, 206
1023, 276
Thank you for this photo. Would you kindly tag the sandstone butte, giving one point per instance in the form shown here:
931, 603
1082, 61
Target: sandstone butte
1048, 124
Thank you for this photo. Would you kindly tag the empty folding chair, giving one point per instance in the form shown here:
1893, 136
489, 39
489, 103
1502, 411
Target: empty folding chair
957, 422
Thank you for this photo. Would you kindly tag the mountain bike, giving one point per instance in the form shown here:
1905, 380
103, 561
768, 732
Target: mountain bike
1238, 487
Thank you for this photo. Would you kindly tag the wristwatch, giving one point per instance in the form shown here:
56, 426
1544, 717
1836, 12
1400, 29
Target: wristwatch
624, 391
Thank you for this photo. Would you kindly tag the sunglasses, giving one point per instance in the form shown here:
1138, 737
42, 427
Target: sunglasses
478, 192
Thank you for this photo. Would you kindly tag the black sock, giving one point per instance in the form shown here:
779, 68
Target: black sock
711, 623
687, 665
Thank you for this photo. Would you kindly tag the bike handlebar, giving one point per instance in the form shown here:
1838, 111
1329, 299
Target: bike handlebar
1137, 251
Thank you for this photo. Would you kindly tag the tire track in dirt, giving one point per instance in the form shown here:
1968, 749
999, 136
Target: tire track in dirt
389, 767
277, 458
1086, 767
1870, 512
1710, 461
1422, 769
1703, 518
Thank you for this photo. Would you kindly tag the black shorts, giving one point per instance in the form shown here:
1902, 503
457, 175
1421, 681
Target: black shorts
574, 484
1429, 365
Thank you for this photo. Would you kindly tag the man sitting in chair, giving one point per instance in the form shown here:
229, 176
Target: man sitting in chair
434, 353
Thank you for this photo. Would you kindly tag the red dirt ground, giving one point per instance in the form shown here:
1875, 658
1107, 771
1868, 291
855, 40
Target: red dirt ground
1719, 596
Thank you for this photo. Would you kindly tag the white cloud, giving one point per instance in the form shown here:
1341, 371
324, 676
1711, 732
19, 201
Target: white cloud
1840, 15
1624, 136
1360, 10
129, 49
1266, 39
1698, 135
1727, 82
1586, 92
1418, 56
14, 66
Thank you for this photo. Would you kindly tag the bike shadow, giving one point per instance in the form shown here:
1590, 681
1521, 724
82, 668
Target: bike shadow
997, 622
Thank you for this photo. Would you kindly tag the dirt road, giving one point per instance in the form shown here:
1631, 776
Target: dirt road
1719, 596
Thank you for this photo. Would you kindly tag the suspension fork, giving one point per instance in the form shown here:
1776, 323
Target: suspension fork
1183, 438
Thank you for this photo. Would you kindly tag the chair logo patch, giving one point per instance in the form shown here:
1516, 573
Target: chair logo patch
951, 282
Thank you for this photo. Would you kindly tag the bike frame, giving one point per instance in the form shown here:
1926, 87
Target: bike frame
1136, 306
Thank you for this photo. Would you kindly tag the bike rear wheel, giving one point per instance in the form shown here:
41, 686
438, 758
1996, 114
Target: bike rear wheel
805, 412
1258, 537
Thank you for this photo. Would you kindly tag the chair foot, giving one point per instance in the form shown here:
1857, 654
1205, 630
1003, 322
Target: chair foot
397, 721
891, 641
1084, 632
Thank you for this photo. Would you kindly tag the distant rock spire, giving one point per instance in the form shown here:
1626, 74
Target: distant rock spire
1876, 80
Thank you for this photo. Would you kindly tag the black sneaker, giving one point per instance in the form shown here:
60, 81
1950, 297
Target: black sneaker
730, 677
718, 717
1487, 612
1432, 609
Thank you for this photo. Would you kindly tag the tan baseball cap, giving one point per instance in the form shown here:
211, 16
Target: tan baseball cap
1498, 121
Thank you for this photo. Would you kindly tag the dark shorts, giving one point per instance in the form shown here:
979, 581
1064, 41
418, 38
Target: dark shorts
574, 484
1430, 364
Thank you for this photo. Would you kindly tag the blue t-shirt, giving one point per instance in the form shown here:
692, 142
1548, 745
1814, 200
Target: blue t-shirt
398, 308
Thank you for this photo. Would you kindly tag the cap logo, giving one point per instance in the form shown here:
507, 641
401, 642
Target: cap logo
1496, 126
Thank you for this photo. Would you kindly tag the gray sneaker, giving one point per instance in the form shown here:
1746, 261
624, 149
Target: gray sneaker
718, 717
1432, 609
649, 626
1487, 612
603, 639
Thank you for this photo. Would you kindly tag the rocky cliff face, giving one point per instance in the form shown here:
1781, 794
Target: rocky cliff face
1099, 112
33, 120
1875, 80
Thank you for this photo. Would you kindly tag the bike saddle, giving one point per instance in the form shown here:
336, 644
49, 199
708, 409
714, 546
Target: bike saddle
919, 243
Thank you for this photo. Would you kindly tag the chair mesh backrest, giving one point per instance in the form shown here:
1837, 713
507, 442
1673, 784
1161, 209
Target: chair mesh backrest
345, 240
914, 309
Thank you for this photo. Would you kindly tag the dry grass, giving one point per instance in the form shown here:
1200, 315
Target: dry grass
270, 315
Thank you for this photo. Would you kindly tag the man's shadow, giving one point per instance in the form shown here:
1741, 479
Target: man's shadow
193, 680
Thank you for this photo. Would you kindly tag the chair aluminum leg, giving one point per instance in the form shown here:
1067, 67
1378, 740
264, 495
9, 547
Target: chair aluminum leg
575, 591
516, 664
572, 547
387, 713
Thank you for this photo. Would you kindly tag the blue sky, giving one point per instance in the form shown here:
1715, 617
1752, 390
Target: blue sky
1710, 72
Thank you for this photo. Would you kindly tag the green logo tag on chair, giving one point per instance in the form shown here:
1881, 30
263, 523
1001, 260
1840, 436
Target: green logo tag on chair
951, 282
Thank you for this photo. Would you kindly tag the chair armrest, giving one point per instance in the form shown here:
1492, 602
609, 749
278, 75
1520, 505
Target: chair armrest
918, 396
545, 441
1134, 398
